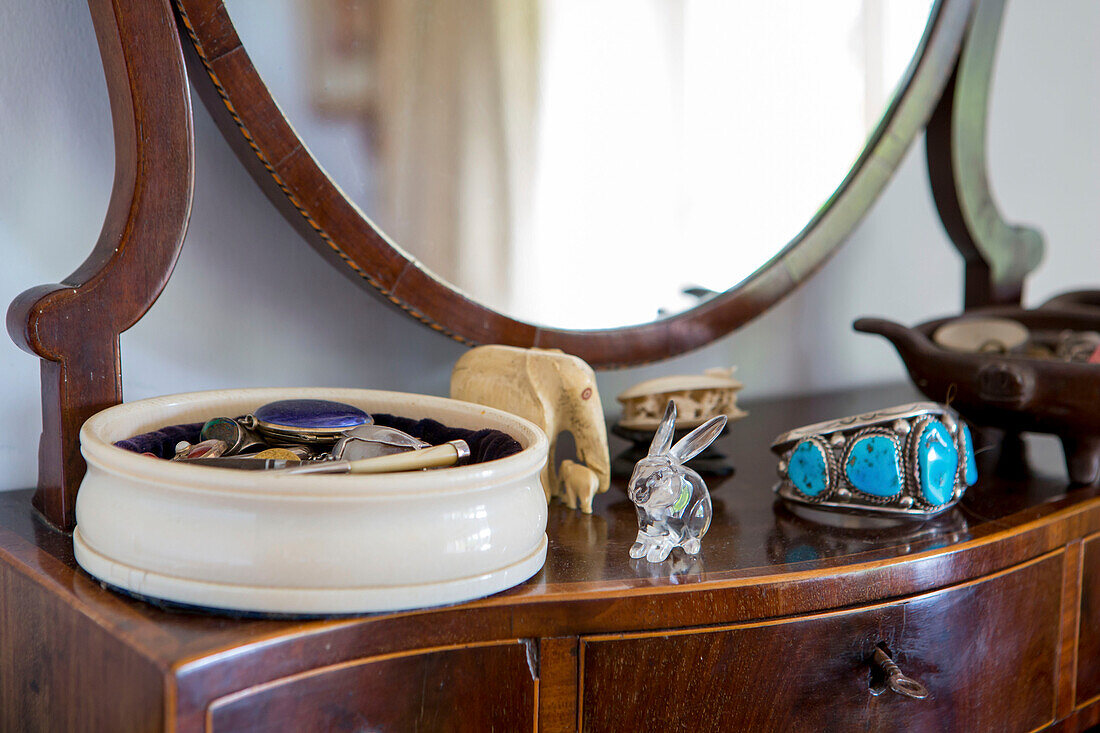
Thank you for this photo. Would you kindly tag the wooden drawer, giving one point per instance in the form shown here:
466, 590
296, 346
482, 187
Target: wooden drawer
479, 688
986, 651
1088, 630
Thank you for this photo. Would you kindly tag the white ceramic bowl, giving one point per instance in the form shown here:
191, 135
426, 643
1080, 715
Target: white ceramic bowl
250, 541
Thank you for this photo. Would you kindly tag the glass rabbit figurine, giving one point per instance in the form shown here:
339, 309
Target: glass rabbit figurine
672, 500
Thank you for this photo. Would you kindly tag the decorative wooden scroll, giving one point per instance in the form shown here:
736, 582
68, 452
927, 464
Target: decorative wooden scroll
74, 325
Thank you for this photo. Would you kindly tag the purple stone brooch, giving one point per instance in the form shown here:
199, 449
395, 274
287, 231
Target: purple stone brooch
305, 421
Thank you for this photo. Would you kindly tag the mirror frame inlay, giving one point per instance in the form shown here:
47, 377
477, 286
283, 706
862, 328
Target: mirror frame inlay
271, 150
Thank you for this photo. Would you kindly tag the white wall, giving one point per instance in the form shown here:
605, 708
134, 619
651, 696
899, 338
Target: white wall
250, 304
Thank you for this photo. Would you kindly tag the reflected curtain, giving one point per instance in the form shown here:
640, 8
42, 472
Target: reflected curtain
449, 95
678, 142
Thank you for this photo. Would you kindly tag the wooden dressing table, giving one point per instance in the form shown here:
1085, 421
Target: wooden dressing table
995, 608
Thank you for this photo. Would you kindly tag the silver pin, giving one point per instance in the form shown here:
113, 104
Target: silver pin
440, 456
371, 441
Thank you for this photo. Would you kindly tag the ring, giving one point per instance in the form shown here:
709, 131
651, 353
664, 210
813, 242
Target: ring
240, 439
913, 461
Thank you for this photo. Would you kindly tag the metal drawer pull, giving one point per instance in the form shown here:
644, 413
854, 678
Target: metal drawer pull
897, 681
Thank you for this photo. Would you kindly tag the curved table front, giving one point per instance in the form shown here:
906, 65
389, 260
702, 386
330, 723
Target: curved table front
991, 607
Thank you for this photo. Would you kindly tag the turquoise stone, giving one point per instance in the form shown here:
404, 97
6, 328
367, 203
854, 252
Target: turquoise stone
872, 466
938, 461
807, 469
968, 455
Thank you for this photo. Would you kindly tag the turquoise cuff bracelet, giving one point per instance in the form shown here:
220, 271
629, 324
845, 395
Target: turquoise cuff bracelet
911, 461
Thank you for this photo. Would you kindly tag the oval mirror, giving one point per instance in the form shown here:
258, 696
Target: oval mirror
625, 180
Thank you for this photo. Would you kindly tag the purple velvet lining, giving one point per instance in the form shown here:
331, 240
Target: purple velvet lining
485, 445
162, 443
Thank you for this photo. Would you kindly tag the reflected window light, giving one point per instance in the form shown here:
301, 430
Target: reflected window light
743, 140
585, 163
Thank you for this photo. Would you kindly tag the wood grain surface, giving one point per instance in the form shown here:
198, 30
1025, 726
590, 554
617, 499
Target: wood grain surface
1088, 645
476, 689
61, 671
986, 651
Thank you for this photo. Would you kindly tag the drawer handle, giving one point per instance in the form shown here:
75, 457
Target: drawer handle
895, 679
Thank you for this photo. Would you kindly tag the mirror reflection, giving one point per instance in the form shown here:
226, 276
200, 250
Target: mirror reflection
584, 163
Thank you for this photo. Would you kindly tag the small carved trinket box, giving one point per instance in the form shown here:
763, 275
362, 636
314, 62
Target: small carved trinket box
698, 398
305, 421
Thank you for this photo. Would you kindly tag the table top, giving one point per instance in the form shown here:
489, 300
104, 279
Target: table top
759, 560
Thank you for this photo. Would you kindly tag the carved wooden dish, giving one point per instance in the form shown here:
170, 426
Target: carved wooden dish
311, 544
1012, 392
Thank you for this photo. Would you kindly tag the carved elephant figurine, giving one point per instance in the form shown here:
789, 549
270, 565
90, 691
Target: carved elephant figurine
552, 389
579, 484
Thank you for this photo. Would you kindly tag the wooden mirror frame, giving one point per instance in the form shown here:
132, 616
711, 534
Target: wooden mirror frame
998, 255
273, 153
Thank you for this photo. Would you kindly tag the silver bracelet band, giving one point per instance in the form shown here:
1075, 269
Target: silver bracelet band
912, 461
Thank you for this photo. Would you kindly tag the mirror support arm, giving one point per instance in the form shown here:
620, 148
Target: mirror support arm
74, 325
998, 255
